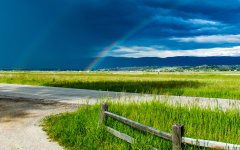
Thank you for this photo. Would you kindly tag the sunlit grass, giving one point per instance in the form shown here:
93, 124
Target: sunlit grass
214, 85
79, 130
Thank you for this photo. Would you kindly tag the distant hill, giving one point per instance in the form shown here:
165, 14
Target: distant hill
115, 62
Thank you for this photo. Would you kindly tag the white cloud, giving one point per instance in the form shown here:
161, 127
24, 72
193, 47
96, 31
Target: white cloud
230, 38
193, 21
203, 22
137, 51
207, 29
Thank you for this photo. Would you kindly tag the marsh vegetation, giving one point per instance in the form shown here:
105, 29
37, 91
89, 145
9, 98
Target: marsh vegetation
212, 85
79, 130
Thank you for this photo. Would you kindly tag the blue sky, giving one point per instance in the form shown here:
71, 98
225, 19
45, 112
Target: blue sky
38, 31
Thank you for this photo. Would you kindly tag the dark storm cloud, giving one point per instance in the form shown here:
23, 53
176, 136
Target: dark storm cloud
66, 30
66, 26
188, 19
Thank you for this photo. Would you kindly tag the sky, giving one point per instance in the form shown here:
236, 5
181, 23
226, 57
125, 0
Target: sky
62, 32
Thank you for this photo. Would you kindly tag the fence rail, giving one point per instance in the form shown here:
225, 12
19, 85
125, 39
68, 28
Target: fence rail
139, 126
176, 137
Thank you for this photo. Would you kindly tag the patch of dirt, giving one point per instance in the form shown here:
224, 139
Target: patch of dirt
1, 107
20, 120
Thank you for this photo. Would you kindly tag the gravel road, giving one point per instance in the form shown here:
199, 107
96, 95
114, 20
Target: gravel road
20, 120
82, 96
23, 106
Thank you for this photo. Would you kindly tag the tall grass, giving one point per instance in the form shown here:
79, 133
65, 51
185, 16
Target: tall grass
79, 130
188, 84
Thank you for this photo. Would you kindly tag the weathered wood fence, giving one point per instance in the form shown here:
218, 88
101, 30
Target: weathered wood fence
176, 137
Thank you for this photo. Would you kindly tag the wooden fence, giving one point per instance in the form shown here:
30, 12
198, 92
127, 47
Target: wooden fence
176, 137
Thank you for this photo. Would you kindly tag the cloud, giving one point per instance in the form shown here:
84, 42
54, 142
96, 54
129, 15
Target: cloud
72, 29
231, 38
207, 29
137, 52
189, 22
203, 22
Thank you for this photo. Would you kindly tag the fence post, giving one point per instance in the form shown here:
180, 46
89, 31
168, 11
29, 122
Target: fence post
178, 132
102, 116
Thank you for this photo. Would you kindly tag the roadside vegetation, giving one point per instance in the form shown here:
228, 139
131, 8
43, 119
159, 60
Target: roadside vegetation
79, 130
212, 85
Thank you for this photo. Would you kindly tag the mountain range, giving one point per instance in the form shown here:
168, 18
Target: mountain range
119, 62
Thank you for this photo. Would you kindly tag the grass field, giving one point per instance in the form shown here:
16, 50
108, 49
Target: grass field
214, 85
79, 130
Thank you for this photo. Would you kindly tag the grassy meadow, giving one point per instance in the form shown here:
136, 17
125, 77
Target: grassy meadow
79, 130
213, 85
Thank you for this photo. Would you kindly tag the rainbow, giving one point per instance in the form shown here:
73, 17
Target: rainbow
100, 57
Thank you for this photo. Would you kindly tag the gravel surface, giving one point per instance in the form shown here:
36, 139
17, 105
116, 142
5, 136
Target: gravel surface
82, 96
22, 107
20, 123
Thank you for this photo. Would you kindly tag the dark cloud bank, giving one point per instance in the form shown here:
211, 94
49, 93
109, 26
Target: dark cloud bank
65, 33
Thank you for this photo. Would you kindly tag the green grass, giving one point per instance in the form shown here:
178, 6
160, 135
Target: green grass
213, 85
79, 130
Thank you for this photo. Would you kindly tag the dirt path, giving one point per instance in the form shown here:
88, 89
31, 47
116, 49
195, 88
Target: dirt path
20, 120
82, 96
